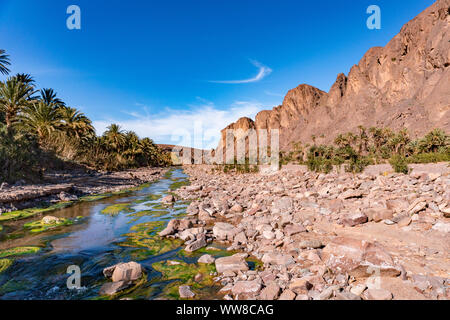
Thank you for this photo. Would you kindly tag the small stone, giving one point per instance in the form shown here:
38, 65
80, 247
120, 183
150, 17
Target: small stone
237, 208
168, 199
404, 222
287, 295
185, 292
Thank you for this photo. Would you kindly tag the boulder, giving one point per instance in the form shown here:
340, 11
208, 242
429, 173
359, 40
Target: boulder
354, 219
197, 244
176, 225
130, 271
50, 220
233, 263
270, 292
224, 231
358, 258
246, 287
279, 259
207, 259
287, 295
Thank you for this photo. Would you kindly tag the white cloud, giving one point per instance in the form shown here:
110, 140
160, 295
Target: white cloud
263, 72
199, 127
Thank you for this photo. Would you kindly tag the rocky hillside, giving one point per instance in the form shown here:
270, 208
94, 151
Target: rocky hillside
405, 84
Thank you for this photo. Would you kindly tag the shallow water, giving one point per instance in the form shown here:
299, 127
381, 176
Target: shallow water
92, 244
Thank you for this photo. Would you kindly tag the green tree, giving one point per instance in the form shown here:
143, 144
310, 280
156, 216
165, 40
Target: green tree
115, 137
4, 62
14, 97
75, 123
49, 96
40, 119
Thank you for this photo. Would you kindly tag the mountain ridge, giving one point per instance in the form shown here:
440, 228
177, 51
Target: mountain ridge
405, 84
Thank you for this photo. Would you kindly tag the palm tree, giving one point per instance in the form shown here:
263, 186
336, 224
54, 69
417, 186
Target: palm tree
25, 78
4, 62
433, 141
75, 123
40, 119
133, 146
115, 137
14, 96
49, 97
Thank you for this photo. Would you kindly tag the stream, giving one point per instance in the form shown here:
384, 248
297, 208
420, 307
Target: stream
125, 231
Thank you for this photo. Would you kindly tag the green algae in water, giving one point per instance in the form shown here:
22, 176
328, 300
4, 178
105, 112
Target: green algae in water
18, 251
39, 226
1, 228
115, 209
178, 184
5, 264
149, 213
94, 197
184, 274
120, 295
27, 213
145, 236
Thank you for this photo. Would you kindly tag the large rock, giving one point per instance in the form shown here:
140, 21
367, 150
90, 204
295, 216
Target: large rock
247, 287
358, 258
270, 292
354, 219
176, 225
130, 271
197, 244
233, 263
277, 258
224, 231
207, 259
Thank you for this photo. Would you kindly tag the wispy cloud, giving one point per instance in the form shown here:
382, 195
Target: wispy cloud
264, 71
199, 127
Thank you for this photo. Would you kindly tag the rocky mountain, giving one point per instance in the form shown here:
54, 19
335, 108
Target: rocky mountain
405, 84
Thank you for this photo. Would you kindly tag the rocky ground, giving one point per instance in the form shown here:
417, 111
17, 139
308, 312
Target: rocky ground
376, 235
68, 186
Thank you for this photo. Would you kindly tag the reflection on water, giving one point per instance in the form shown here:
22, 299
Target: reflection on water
91, 244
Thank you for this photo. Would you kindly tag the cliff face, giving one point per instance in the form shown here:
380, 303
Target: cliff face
406, 84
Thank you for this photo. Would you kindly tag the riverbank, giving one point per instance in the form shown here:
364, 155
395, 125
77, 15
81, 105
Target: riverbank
70, 186
372, 236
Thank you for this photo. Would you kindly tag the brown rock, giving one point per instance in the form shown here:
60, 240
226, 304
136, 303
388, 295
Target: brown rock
358, 258
233, 263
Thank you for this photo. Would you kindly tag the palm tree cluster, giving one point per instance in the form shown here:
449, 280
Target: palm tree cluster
372, 146
40, 116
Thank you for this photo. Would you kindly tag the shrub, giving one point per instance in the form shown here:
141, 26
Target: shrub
399, 164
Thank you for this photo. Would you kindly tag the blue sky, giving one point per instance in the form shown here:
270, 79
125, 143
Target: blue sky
163, 68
